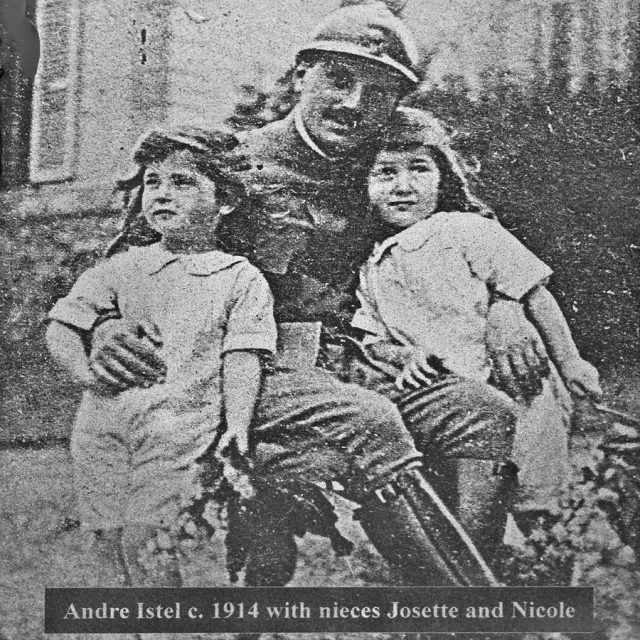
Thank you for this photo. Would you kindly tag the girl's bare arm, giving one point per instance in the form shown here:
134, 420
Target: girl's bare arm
544, 312
241, 378
67, 348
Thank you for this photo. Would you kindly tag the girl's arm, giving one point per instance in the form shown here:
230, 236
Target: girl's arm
67, 347
241, 379
580, 376
121, 356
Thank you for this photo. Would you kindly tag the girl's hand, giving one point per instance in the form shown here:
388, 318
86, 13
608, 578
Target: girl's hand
236, 467
417, 372
234, 441
238, 479
582, 379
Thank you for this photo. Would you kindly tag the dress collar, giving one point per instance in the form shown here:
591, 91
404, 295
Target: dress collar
197, 264
410, 239
304, 134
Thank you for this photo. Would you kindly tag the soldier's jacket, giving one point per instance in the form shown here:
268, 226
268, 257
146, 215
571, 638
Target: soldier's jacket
310, 245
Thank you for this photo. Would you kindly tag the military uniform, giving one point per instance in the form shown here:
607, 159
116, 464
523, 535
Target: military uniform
311, 267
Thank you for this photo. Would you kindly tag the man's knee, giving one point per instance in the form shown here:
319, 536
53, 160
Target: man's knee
376, 410
491, 402
462, 418
491, 417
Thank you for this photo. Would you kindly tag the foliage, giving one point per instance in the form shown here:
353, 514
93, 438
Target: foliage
561, 172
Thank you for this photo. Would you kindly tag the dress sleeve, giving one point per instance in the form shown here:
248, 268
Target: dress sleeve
93, 296
503, 262
250, 322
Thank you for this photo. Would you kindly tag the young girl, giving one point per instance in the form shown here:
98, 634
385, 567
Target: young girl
439, 264
210, 315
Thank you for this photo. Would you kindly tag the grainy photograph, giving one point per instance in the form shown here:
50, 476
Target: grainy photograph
320, 293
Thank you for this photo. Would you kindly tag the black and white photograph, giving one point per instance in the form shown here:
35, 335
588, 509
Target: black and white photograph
320, 293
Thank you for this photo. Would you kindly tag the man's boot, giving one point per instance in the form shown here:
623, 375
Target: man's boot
485, 493
414, 530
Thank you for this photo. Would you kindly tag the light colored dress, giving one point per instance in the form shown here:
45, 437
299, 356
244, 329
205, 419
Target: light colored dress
135, 454
430, 286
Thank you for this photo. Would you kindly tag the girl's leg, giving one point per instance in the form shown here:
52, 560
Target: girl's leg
108, 543
168, 436
150, 556
136, 554
541, 448
102, 473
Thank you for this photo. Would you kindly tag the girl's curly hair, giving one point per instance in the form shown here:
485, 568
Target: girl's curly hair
411, 128
213, 154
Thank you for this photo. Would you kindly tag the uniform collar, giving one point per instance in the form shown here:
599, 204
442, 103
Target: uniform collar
197, 264
410, 239
304, 134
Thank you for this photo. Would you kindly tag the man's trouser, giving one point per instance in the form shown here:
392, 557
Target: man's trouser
465, 431
310, 427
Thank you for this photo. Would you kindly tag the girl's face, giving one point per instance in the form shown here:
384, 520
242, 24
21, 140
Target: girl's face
404, 186
178, 200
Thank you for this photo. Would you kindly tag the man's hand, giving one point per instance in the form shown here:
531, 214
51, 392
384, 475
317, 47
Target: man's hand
417, 372
519, 359
123, 357
582, 379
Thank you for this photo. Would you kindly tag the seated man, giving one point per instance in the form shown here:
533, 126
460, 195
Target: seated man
350, 77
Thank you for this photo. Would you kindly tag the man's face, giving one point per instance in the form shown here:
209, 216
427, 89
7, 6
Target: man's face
345, 101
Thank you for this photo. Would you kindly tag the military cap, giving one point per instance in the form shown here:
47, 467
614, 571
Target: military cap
369, 31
